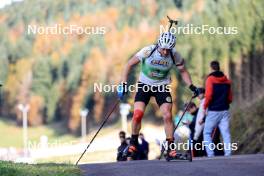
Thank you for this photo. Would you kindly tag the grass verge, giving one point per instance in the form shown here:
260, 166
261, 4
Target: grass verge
13, 169
247, 129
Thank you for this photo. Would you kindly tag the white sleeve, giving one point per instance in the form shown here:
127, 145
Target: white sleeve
178, 58
199, 128
144, 52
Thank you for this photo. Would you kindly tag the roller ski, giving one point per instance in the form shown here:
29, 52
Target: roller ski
171, 156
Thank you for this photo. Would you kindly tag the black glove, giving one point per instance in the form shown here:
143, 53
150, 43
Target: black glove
195, 90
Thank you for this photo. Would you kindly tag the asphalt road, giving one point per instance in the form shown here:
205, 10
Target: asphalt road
239, 165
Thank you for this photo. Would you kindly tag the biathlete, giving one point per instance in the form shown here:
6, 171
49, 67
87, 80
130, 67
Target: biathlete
156, 62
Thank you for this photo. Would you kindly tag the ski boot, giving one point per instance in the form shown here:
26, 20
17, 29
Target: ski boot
132, 152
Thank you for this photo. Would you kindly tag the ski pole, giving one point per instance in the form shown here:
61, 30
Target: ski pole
105, 120
171, 22
185, 110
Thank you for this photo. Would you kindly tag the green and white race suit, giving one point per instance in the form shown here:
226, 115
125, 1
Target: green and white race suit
155, 69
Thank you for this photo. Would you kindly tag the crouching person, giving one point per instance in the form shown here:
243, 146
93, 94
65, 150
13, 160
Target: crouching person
121, 151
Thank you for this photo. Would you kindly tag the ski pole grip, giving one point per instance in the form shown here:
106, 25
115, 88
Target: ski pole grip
171, 22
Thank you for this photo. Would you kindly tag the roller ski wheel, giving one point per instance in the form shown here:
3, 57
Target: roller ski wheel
189, 157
